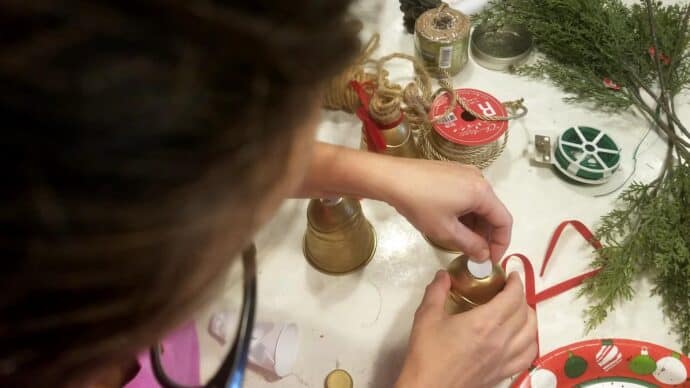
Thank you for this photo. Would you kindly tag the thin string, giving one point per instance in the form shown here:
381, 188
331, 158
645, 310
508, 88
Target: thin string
634, 170
339, 95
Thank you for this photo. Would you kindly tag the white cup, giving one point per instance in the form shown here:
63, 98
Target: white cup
274, 347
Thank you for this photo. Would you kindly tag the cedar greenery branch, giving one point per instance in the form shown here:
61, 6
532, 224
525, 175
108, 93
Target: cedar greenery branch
615, 57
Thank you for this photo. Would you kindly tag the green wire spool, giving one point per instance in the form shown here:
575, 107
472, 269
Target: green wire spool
587, 155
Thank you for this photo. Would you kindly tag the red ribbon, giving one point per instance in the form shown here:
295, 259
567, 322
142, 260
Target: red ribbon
372, 129
533, 298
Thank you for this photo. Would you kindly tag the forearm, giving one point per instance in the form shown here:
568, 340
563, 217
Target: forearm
336, 170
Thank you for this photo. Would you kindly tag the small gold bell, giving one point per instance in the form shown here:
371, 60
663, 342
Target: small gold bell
386, 112
339, 239
399, 142
472, 283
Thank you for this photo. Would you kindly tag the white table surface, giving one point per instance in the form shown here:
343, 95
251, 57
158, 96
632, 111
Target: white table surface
360, 322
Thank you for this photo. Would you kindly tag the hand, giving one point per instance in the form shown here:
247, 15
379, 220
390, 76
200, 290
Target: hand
450, 203
479, 348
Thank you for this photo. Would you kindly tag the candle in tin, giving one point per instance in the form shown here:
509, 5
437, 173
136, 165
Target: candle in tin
473, 283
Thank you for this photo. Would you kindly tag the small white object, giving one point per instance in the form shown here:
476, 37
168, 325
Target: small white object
543, 378
331, 201
274, 347
480, 270
218, 328
468, 7
671, 371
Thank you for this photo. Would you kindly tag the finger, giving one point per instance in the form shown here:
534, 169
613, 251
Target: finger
507, 302
525, 337
521, 362
435, 296
523, 350
515, 324
470, 242
497, 215
469, 220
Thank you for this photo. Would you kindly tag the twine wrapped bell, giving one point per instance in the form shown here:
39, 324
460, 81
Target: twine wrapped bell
339, 239
399, 142
472, 284
385, 111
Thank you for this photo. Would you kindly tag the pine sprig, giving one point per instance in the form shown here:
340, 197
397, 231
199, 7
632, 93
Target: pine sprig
613, 57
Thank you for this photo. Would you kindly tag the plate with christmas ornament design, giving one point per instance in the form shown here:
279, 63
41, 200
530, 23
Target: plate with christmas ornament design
609, 363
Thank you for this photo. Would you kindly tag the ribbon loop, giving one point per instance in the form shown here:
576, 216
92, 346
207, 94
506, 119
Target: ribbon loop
533, 298
375, 141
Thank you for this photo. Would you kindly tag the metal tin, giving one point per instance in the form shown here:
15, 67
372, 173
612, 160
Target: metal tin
441, 40
339, 239
472, 284
399, 142
339, 378
501, 48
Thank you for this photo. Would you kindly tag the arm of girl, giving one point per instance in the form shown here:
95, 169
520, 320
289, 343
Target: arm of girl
445, 201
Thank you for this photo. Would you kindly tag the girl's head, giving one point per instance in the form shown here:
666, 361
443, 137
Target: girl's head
143, 143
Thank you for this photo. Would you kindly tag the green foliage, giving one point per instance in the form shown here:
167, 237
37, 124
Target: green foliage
587, 41
647, 235
583, 43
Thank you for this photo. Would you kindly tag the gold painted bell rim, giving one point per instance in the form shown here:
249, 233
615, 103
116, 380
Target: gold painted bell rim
439, 247
339, 378
456, 296
313, 264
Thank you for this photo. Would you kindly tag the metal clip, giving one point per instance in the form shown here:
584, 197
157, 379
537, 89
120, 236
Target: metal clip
542, 149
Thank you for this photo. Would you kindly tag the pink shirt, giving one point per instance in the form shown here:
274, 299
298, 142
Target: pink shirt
180, 359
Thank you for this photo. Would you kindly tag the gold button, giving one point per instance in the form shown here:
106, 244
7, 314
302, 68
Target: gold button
339, 379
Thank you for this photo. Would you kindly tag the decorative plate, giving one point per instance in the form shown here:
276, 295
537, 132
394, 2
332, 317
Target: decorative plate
618, 363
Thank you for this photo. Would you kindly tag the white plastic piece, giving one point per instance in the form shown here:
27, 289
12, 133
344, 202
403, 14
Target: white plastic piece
274, 347
218, 326
331, 201
480, 270
468, 7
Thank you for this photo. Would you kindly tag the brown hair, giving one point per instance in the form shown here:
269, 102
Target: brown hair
138, 139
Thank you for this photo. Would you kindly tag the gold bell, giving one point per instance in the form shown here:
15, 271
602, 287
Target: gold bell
386, 112
339, 239
472, 283
399, 142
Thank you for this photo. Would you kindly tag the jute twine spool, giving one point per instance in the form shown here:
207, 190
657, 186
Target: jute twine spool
442, 38
339, 95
